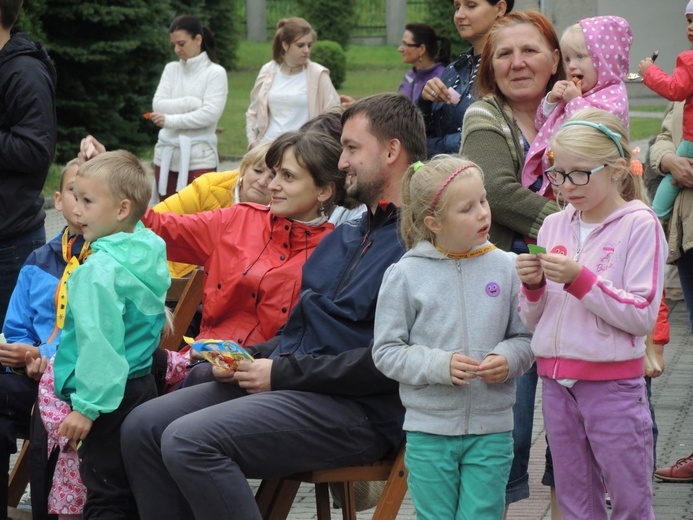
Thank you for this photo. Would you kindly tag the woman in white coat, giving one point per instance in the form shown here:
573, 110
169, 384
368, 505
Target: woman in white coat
290, 89
187, 105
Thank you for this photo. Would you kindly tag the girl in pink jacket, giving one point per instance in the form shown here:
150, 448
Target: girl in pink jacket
595, 54
591, 299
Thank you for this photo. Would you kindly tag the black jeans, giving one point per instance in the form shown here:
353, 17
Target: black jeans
101, 462
685, 266
13, 254
42, 468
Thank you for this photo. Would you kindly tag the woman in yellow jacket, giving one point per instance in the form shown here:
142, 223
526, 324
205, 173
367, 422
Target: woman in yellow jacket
220, 190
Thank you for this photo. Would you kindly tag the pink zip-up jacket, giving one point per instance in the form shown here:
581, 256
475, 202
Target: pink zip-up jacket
609, 40
594, 328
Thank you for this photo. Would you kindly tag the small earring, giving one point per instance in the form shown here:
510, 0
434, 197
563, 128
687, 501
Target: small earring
420, 59
322, 209
240, 182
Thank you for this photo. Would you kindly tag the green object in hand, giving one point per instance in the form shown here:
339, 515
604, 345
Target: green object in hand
535, 249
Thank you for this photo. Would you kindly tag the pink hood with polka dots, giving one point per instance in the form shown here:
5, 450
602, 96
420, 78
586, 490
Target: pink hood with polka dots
609, 40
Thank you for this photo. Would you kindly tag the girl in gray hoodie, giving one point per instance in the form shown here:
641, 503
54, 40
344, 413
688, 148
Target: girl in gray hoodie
447, 328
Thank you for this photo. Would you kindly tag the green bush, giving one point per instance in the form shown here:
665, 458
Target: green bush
224, 23
331, 55
332, 19
109, 57
439, 16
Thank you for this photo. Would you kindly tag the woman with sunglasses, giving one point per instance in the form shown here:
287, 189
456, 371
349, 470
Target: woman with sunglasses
428, 54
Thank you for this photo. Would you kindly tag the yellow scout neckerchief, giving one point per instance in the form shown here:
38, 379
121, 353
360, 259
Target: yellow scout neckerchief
61, 291
471, 254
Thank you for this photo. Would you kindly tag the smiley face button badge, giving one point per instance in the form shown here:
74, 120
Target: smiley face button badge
493, 289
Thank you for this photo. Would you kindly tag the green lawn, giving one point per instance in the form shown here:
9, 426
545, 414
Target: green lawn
644, 127
649, 108
370, 70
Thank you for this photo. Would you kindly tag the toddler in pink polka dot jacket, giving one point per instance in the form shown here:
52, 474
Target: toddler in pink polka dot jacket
596, 56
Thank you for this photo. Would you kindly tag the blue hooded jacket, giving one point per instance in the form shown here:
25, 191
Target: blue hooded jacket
326, 344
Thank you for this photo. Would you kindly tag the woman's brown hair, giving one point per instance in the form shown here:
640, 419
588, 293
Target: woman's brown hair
288, 31
316, 152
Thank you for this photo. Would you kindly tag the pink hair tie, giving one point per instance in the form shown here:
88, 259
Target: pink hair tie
448, 181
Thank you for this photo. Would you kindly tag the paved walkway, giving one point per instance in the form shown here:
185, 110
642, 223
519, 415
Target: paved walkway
673, 400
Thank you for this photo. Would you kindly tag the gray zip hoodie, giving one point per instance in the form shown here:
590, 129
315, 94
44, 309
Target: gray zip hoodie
431, 306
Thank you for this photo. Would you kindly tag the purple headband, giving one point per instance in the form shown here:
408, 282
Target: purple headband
448, 181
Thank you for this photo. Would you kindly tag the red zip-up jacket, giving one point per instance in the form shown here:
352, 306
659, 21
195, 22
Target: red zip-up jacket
678, 87
252, 260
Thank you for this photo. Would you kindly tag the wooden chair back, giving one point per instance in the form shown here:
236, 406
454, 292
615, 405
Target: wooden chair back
20, 474
187, 292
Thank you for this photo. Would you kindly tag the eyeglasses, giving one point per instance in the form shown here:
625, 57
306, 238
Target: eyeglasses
405, 44
577, 177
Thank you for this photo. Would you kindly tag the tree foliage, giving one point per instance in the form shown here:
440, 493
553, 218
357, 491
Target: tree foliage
109, 56
30, 19
223, 21
332, 19
440, 16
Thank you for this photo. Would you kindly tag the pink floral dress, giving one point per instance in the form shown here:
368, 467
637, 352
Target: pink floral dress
67, 495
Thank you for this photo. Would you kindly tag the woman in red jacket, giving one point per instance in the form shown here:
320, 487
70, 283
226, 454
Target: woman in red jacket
253, 254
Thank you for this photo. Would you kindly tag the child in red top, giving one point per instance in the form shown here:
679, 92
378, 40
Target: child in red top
678, 87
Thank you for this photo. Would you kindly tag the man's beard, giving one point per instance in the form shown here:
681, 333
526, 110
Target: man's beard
368, 193
350, 202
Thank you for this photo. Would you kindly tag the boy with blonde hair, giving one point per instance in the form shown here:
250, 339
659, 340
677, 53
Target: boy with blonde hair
115, 314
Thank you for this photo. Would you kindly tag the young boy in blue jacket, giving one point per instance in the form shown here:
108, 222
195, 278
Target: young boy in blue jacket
30, 330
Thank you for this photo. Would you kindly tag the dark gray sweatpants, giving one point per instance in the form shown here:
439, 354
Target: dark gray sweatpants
188, 453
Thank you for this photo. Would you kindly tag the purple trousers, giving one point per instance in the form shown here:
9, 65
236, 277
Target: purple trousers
600, 433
